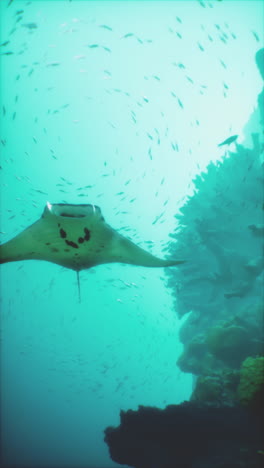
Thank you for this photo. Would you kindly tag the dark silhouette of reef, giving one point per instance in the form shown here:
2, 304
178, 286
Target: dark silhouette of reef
189, 435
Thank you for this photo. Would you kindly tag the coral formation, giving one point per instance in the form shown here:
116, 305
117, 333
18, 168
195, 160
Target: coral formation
219, 388
251, 386
220, 234
231, 343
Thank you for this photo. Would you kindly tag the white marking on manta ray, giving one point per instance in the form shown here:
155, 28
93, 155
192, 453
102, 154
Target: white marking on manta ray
76, 237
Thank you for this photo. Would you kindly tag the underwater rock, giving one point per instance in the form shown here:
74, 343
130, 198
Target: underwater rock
188, 435
251, 386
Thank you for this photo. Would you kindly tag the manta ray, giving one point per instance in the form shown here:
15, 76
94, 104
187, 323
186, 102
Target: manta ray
76, 237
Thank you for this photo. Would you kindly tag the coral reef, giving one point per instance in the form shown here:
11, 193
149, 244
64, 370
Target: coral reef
251, 386
230, 343
220, 234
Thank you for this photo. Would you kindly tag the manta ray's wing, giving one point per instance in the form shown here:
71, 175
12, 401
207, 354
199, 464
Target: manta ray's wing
76, 237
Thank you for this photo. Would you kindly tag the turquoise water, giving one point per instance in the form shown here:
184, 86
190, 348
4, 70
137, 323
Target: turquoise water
118, 104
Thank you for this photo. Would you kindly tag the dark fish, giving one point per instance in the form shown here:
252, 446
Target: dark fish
4, 43
150, 153
40, 191
106, 27
255, 35
30, 25
180, 103
200, 46
128, 35
229, 140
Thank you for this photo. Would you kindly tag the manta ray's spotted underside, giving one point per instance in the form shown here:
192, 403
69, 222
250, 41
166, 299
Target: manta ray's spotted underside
76, 237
